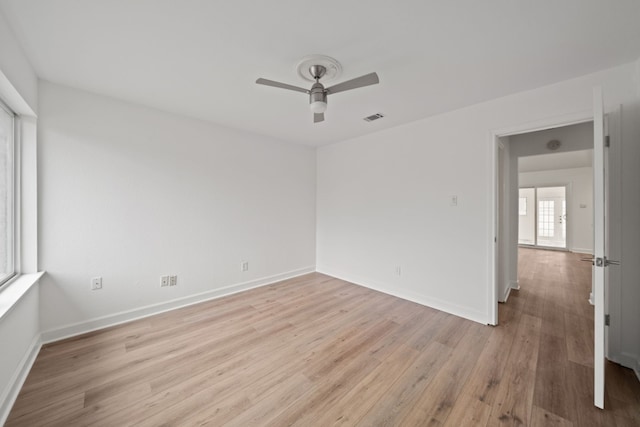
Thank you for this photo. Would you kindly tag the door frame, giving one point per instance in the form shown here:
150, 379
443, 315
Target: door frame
494, 145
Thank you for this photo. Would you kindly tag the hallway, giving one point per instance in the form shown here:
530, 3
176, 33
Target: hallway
554, 287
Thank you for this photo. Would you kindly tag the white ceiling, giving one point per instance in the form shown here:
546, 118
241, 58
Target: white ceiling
546, 162
201, 58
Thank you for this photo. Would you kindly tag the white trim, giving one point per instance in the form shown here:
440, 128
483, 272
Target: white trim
544, 124
514, 285
628, 360
17, 195
11, 391
13, 98
438, 304
74, 329
13, 291
591, 298
505, 297
492, 303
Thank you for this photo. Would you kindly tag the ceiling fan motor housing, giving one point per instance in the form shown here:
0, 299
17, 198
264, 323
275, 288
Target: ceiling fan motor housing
317, 94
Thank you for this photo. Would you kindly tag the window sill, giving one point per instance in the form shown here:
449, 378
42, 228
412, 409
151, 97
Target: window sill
13, 291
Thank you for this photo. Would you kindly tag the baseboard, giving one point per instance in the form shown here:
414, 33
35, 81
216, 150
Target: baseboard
79, 328
628, 360
456, 310
505, 296
514, 285
631, 361
10, 393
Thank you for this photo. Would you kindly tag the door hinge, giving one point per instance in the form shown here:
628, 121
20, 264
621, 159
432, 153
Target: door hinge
607, 142
607, 320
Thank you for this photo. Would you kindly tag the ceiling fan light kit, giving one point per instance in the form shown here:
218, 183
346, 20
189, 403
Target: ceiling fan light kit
322, 67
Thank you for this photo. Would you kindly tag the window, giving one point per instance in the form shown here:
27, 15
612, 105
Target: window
7, 195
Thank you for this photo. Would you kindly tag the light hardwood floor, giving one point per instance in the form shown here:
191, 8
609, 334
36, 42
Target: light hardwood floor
317, 351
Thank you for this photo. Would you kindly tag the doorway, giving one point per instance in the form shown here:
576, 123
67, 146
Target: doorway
536, 159
606, 240
542, 217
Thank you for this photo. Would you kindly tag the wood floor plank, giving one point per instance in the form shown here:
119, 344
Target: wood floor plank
468, 411
542, 418
52, 414
514, 400
439, 397
580, 381
452, 331
551, 389
488, 372
404, 393
579, 339
315, 350
359, 400
325, 393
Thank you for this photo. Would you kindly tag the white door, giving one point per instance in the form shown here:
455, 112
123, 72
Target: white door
599, 284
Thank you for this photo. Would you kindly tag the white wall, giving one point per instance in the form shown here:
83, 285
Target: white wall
18, 80
130, 194
20, 338
580, 193
383, 199
527, 222
19, 311
578, 137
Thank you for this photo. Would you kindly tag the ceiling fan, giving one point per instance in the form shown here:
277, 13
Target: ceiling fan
318, 93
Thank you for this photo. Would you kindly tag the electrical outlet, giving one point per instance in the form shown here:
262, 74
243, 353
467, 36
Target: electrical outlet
96, 283
173, 280
164, 281
244, 266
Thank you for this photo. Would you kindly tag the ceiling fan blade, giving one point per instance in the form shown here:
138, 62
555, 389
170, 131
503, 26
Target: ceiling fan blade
366, 80
318, 117
281, 85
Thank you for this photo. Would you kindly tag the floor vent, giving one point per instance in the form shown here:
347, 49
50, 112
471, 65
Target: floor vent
374, 117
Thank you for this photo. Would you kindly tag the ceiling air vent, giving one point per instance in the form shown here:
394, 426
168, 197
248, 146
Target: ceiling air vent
374, 117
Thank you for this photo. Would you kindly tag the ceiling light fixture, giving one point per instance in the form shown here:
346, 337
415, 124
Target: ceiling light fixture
553, 145
318, 96
318, 93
